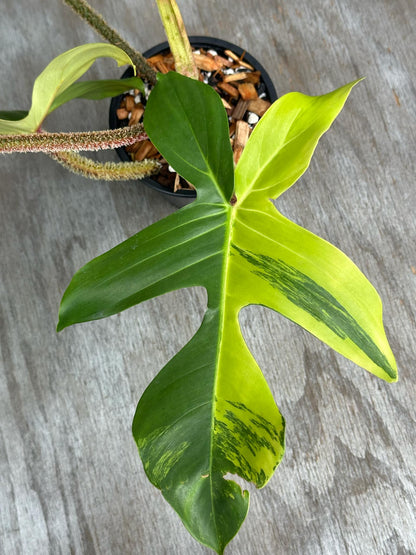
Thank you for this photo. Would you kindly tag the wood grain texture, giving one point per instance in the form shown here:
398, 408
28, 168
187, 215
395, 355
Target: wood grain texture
71, 481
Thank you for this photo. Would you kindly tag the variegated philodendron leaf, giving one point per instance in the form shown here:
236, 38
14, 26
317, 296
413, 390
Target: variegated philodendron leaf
209, 412
91, 90
56, 85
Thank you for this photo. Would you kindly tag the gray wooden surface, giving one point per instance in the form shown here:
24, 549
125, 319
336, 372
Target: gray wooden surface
71, 481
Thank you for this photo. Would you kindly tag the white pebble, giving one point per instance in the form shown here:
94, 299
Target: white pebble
252, 118
262, 95
171, 169
213, 52
131, 92
147, 90
197, 52
228, 71
137, 99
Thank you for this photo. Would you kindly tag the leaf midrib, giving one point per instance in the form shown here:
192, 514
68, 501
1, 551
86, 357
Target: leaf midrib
222, 310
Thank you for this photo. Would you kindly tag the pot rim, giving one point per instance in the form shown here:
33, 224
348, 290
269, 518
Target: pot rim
197, 41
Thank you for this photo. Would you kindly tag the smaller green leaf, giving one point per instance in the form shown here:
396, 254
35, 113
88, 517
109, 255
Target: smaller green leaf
13, 115
188, 124
96, 90
58, 76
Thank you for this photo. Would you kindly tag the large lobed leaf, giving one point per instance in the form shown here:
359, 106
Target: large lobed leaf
55, 85
209, 412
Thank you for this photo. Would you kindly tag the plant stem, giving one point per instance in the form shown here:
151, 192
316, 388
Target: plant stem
84, 140
178, 39
108, 171
98, 23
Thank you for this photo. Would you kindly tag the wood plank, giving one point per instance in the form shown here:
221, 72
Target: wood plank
71, 480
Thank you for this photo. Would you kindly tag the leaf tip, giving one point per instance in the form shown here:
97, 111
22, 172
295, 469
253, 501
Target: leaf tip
130, 63
393, 376
362, 78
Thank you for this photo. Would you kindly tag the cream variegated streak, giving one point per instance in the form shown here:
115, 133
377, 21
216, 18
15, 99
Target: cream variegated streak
209, 412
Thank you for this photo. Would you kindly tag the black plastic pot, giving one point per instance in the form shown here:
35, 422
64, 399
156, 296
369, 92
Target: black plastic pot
183, 197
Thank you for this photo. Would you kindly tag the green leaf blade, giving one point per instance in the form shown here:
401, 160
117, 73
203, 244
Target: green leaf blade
179, 251
175, 443
282, 144
190, 129
60, 74
97, 90
311, 282
205, 427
